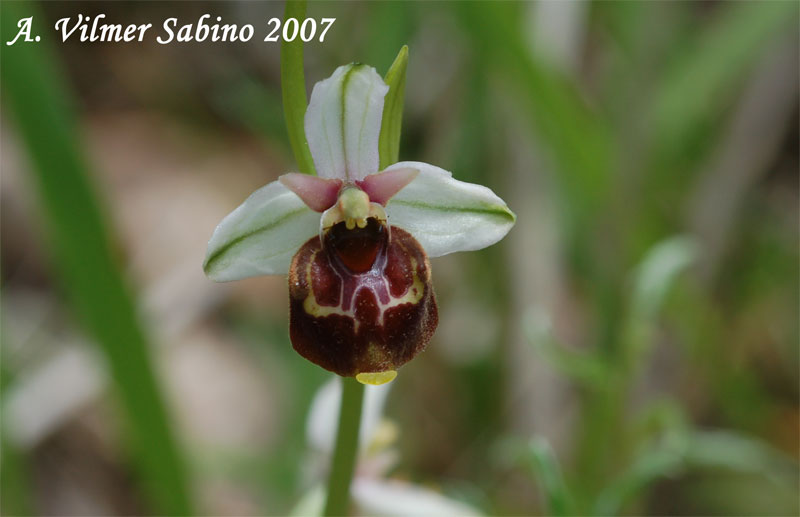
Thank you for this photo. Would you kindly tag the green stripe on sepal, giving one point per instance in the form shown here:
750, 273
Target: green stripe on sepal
260, 236
391, 125
217, 257
501, 211
447, 215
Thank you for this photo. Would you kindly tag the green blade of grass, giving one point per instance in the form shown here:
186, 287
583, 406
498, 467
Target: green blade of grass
547, 470
587, 369
14, 481
570, 134
293, 88
579, 142
392, 121
652, 280
696, 89
85, 257
736, 451
647, 468
14, 472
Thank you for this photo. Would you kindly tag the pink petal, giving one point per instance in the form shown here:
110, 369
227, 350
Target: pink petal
383, 185
319, 194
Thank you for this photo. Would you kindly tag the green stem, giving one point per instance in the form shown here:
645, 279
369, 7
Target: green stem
344, 456
293, 88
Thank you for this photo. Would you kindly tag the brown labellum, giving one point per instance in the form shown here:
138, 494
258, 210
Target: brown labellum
361, 299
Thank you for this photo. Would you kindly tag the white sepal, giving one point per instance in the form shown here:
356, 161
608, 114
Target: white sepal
261, 236
343, 122
395, 498
446, 215
324, 412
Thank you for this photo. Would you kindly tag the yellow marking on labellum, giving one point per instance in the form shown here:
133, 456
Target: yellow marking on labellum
310, 305
376, 378
413, 295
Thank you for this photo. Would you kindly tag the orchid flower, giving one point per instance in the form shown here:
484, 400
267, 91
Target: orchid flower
355, 241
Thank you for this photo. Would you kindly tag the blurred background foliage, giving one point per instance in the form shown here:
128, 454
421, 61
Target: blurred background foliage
629, 348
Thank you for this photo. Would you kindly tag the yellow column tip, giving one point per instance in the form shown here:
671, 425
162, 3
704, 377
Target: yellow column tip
376, 378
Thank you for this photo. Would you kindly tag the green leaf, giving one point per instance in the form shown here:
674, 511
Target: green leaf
293, 88
15, 482
741, 453
392, 121
578, 139
664, 433
698, 87
545, 467
653, 278
657, 272
648, 467
84, 255
585, 368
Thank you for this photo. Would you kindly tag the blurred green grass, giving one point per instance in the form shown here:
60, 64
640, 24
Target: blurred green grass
624, 142
84, 255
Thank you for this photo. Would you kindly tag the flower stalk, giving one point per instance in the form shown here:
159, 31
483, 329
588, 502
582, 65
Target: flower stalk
293, 89
346, 450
